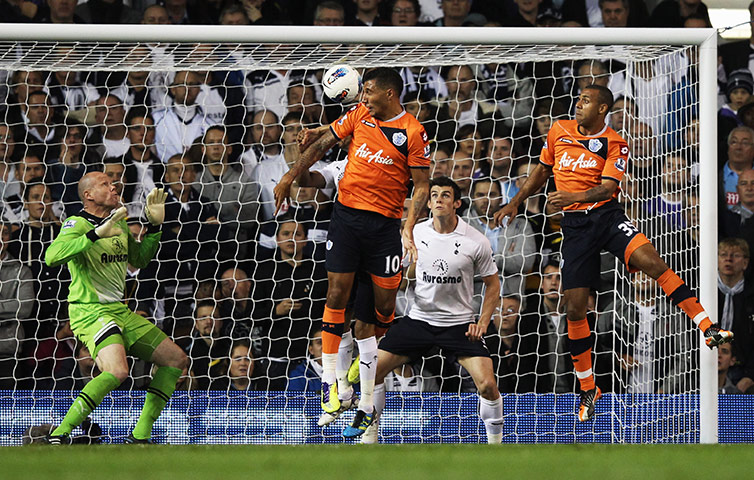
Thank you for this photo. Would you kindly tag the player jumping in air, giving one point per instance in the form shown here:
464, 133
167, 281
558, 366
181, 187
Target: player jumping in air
588, 160
450, 254
389, 148
97, 246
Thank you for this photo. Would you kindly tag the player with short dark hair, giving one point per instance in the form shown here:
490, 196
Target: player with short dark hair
389, 148
98, 247
588, 160
450, 254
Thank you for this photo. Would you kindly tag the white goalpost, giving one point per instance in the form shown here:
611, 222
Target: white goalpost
671, 375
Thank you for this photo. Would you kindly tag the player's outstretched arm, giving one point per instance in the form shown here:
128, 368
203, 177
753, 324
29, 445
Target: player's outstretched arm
538, 177
315, 152
141, 253
420, 177
491, 301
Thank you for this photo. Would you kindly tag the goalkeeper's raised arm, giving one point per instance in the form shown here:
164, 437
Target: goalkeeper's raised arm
97, 246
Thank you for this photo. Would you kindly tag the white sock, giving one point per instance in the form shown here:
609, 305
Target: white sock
345, 358
491, 412
329, 360
367, 372
379, 398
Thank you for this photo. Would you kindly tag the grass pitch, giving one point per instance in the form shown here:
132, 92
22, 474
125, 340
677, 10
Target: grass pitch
383, 462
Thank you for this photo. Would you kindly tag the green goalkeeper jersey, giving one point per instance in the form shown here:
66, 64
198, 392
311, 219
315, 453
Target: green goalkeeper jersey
98, 268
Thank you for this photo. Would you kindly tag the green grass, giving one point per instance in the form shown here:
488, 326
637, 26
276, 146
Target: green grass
384, 462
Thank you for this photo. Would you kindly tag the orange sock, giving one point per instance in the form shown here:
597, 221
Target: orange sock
580, 337
333, 321
682, 296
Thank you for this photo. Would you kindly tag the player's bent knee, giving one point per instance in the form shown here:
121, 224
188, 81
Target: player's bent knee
488, 388
120, 373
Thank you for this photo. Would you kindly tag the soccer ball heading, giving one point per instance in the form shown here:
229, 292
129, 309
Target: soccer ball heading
342, 83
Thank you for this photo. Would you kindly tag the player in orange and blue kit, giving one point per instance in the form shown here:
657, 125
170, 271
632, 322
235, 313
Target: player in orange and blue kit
389, 149
588, 160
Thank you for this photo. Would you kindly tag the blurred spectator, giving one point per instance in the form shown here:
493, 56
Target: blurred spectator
115, 170
425, 82
207, 346
500, 152
234, 14
549, 17
624, 13
544, 315
235, 305
404, 13
737, 221
265, 162
267, 89
329, 13
513, 350
740, 158
265, 12
302, 100
736, 307
106, 11
190, 240
17, 11
75, 161
465, 102
58, 11
666, 203
144, 171
30, 167
672, 13
307, 375
36, 233
289, 294
525, 14
513, 245
732, 262
233, 194
114, 131
656, 358
725, 360
40, 125
16, 305
623, 113
586, 13
155, 15
239, 369
20, 84
463, 170
8, 185
184, 120
367, 13
69, 90
738, 89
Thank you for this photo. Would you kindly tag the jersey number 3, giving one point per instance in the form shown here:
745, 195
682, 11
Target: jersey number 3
628, 228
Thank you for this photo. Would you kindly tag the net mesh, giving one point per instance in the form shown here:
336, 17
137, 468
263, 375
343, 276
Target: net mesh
231, 280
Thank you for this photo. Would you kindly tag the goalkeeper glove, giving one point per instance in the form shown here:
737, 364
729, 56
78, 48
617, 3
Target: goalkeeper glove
109, 226
155, 207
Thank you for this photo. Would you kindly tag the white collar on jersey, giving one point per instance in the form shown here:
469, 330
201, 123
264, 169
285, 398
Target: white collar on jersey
461, 227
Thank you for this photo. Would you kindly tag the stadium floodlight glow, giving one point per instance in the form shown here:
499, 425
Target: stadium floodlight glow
631, 53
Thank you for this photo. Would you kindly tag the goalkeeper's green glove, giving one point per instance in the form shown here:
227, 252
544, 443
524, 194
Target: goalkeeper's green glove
155, 207
109, 226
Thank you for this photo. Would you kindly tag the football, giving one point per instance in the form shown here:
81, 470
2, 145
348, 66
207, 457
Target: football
342, 83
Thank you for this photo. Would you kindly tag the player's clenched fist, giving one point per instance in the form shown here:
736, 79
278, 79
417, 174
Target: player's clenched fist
155, 207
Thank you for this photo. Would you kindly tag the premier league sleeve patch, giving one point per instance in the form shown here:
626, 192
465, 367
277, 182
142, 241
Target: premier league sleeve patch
620, 164
69, 224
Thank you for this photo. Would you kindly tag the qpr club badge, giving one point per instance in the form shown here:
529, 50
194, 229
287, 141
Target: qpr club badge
595, 144
399, 139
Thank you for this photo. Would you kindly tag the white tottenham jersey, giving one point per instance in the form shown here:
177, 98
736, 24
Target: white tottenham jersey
445, 273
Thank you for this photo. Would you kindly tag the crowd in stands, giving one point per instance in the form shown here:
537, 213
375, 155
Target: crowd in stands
242, 290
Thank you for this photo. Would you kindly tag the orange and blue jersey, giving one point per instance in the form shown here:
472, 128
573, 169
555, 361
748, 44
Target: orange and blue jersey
580, 162
379, 159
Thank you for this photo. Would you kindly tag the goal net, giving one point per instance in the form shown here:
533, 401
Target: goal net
212, 115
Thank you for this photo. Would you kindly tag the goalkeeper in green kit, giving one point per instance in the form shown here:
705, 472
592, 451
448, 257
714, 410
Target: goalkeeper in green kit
97, 246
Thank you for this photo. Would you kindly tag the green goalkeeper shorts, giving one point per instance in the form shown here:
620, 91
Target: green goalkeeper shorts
99, 325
